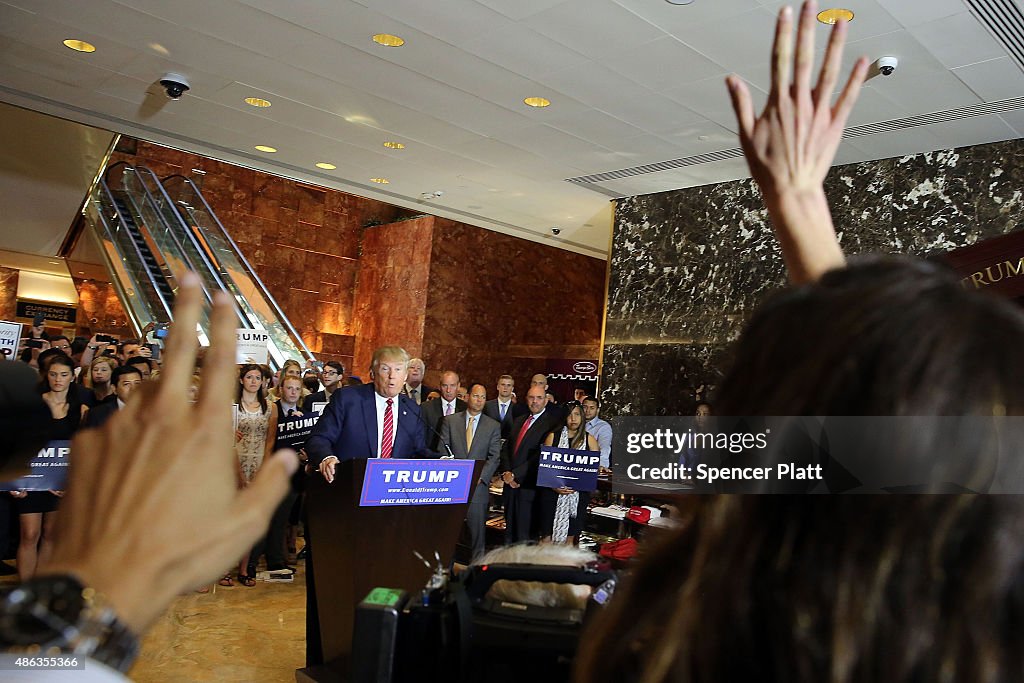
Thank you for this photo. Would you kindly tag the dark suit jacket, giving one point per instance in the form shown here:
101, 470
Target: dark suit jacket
433, 413
100, 413
315, 397
522, 462
486, 441
348, 428
492, 410
424, 390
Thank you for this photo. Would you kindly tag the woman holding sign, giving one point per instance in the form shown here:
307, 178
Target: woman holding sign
37, 510
563, 509
254, 441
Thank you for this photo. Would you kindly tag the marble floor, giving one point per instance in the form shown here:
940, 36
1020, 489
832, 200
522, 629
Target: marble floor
227, 635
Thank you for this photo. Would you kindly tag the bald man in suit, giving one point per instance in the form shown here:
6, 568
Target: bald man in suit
520, 458
474, 436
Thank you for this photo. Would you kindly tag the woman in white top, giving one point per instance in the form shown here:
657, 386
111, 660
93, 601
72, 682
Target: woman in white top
564, 509
254, 441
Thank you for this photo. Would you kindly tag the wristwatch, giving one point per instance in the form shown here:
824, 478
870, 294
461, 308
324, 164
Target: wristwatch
55, 615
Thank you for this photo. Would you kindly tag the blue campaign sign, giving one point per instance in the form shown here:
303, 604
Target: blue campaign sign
49, 470
567, 467
292, 432
393, 481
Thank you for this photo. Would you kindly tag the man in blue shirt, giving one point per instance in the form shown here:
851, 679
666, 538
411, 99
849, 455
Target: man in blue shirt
599, 429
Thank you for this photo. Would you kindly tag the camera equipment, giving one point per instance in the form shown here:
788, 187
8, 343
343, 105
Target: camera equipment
154, 351
105, 339
161, 330
453, 631
34, 343
886, 65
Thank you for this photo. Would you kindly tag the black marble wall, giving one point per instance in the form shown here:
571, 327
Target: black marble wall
689, 266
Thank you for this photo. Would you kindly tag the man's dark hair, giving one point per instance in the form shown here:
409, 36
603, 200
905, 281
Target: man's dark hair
59, 336
128, 369
593, 399
311, 383
139, 360
125, 342
78, 345
337, 366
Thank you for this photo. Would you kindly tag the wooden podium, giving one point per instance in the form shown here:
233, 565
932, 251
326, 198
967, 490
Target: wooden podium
356, 549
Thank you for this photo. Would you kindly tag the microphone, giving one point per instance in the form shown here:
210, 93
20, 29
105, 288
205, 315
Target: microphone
444, 443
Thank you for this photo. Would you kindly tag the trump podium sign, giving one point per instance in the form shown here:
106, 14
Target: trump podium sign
393, 481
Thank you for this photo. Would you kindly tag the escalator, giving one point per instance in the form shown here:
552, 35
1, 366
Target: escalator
149, 239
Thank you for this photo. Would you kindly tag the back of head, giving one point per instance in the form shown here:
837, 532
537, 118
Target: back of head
884, 336
823, 588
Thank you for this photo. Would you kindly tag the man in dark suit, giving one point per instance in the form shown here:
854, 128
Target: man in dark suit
475, 436
503, 409
125, 380
371, 420
331, 377
368, 421
434, 411
520, 457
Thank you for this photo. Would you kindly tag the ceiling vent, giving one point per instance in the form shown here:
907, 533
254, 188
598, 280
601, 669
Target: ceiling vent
970, 111
1005, 21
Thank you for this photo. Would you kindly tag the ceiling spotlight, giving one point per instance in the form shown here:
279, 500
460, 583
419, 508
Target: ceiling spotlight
79, 45
380, 181
537, 102
388, 40
394, 145
679, 2
265, 148
831, 16
326, 166
427, 196
257, 102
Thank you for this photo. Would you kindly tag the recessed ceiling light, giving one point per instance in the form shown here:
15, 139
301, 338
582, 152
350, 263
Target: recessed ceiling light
394, 145
537, 102
831, 16
380, 181
56, 263
388, 40
679, 2
79, 45
257, 102
326, 166
265, 148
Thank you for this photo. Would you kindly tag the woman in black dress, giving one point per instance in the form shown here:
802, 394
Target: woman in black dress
37, 510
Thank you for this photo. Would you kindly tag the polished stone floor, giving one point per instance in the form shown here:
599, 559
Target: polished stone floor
229, 634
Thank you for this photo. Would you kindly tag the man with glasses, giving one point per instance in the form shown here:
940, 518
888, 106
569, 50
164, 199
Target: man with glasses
330, 377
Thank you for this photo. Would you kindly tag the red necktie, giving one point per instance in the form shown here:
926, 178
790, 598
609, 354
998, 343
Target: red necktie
522, 433
387, 439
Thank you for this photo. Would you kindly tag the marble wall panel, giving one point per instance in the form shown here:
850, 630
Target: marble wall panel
689, 266
493, 296
99, 309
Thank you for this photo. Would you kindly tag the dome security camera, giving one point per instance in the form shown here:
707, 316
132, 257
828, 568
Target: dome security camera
556, 231
886, 65
175, 85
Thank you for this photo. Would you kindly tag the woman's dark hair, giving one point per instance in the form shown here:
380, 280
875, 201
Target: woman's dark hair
845, 589
242, 372
66, 361
884, 336
579, 442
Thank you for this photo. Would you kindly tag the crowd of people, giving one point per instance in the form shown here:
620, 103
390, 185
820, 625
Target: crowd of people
767, 588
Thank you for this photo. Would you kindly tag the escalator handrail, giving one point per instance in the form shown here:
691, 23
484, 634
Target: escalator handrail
138, 252
282, 318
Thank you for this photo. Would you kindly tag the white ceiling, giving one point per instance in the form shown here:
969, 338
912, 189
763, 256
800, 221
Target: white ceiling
631, 81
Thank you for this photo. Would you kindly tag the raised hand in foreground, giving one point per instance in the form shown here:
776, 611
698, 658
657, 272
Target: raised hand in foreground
792, 144
153, 507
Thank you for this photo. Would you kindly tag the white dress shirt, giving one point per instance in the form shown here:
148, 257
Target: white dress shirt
448, 407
